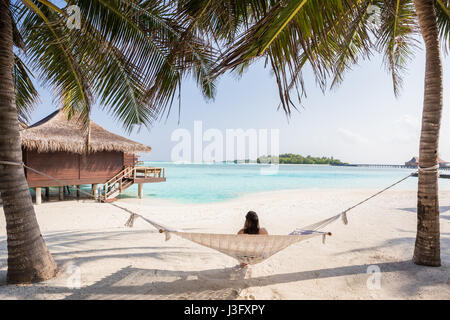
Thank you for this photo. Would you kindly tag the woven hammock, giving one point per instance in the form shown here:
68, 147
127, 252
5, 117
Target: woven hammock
246, 248
250, 249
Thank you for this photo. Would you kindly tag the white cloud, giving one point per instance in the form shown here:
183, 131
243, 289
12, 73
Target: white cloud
406, 129
351, 137
408, 121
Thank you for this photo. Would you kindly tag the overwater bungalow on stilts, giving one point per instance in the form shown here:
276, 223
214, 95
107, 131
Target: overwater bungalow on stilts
57, 147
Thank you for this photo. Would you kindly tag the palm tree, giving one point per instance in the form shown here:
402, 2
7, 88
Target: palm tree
331, 36
427, 248
130, 55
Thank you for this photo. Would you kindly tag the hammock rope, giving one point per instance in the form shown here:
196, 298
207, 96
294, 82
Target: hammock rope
249, 249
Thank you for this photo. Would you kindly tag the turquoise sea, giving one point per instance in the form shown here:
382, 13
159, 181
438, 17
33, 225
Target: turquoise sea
204, 183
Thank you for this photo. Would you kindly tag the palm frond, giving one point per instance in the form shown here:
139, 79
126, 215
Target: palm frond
50, 51
396, 37
355, 43
154, 49
294, 31
17, 37
26, 93
131, 55
443, 16
223, 20
117, 64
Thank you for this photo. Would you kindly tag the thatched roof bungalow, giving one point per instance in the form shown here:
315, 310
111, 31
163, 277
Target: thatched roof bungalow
57, 147
414, 163
55, 133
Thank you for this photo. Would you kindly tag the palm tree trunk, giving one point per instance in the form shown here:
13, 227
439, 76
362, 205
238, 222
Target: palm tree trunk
28, 257
427, 247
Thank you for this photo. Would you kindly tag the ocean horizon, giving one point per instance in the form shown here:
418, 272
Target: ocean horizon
215, 182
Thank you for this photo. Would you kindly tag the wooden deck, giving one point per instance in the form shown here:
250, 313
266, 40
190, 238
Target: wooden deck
149, 175
129, 176
110, 189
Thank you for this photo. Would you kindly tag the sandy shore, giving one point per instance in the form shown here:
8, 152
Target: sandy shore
89, 242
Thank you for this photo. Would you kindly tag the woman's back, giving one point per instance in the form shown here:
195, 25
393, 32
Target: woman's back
251, 225
261, 231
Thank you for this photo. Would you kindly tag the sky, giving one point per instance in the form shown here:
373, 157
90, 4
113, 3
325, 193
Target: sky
359, 122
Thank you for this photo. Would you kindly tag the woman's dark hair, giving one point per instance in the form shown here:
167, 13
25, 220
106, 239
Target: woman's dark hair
251, 225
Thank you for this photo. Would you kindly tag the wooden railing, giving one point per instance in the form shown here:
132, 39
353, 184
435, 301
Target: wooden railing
116, 182
149, 172
127, 172
127, 177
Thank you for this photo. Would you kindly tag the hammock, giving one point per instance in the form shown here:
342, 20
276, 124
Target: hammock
245, 248
249, 249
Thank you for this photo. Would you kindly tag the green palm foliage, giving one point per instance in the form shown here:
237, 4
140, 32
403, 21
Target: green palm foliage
328, 36
129, 56
396, 37
26, 93
332, 36
443, 18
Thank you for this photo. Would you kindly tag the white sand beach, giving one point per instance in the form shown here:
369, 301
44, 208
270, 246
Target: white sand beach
89, 240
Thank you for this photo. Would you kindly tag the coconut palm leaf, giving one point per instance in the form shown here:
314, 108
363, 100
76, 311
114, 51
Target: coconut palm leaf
297, 30
17, 37
115, 81
121, 63
396, 37
156, 44
330, 37
222, 20
356, 42
50, 52
443, 16
131, 55
26, 94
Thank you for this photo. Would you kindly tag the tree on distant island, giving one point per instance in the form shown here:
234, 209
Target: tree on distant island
291, 158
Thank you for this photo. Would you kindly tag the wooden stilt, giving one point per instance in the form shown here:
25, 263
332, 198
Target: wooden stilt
141, 190
61, 193
47, 193
94, 191
78, 192
38, 196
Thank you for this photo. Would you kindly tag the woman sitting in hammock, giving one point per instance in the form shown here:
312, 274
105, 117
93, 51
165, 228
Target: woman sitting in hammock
251, 225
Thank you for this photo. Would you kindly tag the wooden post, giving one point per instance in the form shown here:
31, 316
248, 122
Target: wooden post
61, 193
141, 190
38, 196
47, 193
78, 192
94, 191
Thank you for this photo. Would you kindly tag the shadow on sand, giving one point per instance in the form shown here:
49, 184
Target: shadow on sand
133, 283
222, 283
443, 210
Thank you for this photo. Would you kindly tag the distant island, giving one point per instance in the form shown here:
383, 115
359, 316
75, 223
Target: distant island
291, 158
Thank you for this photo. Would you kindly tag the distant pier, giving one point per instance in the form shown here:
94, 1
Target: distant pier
394, 166
442, 176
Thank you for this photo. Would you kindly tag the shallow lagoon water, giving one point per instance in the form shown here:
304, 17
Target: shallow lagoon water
205, 183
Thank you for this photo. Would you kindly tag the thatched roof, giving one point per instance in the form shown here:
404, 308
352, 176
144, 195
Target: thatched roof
22, 125
415, 160
56, 133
